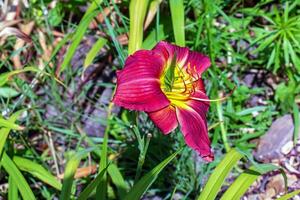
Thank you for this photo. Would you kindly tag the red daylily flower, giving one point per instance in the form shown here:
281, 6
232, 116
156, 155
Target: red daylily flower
166, 83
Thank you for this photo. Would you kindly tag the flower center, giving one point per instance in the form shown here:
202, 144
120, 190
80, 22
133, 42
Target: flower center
182, 86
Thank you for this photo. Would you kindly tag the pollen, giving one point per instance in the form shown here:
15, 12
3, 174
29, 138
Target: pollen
183, 87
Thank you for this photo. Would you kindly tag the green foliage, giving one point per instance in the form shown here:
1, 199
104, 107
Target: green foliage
17, 177
56, 101
281, 34
177, 13
137, 13
217, 178
169, 75
37, 170
242, 183
146, 181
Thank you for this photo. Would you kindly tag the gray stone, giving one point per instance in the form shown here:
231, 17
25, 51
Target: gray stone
270, 144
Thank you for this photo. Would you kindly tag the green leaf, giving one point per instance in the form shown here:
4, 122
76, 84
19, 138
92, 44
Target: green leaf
218, 176
245, 180
153, 37
4, 77
102, 186
177, 14
93, 52
37, 171
69, 173
272, 58
7, 92
56, 15
294, 56
137, 13
266, 42
89, 189
286, 51
17, 177
146, 181
5, 131
118, 180
12, 189
7, 124
296, 122
249, 111
289, 195
169, 76
79, 33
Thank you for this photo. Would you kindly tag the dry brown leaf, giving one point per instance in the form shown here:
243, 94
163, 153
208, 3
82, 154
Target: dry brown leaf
82, 172
154, 5
26, 29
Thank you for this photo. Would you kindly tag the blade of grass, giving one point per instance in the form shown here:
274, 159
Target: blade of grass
218, 176
89, 189
4, 77
7, 124
93, 52
17, 177
118, 180
153, 37
296, 122
177, 14
222, 125
137, 13
5, 131
245, 180
70, 170
37, 171
102, 186
79, 33
12, 189
146, 181
289, 195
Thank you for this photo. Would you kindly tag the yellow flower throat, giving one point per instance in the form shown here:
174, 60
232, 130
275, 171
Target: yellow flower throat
183, 85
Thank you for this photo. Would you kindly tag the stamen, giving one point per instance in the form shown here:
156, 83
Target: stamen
214, 100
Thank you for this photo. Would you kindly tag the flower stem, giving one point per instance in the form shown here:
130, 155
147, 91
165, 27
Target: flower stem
222, 126
142, 156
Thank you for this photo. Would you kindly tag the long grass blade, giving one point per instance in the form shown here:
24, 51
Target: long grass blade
296, 122
5, 131
118, 180
137, 13
289, 195
177, 13
245, 180
89, 189
146, 181
218, 176
7, 124
17, 177
102, 186
93, 52
79, 33
37, 171
12, 189
70, 170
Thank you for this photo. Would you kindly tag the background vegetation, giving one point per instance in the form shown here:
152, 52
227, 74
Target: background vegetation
60, 135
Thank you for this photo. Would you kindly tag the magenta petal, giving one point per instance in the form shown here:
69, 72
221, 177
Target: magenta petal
199, 61
185, 57
165, 119
138, 84
194, 128
169, 50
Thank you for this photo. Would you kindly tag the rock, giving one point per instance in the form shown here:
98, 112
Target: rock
291, 179
280, 133
275, 185
270, 192
287, 148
